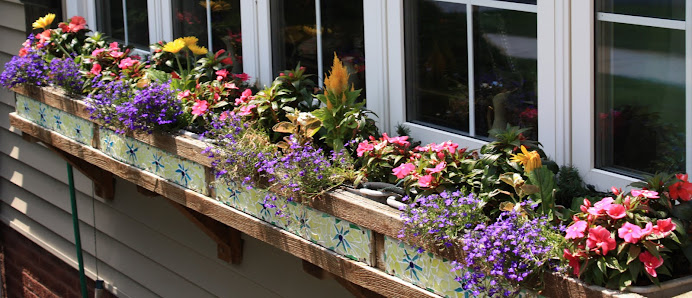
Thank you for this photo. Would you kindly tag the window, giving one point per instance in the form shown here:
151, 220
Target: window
640, 86
631, 103
216, 23
310, 32
124, 21
471, 69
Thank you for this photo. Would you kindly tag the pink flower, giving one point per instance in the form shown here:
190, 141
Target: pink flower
630, 233
113, 46
95, 69
363, 147
402, 170
616, 191
246, 110
616, 211
576, 230
223, 116
663, 227
573, 261
600, 206
98, 51
76, 23
425, 181
221, 74
127, 62
230, 86
200, 107
245, 97
650, 262
646, 193
438, 168
402, 141
184, 94
599, 237
117, 54
243, 76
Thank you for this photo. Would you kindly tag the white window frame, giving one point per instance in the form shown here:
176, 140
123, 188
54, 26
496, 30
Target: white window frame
386, 72
583, 22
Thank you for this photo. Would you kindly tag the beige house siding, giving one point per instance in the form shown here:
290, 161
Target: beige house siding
143, 247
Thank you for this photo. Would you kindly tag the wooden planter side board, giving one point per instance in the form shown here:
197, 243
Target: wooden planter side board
383, 223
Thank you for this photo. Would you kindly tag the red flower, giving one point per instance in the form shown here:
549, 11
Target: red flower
23, 52
681, 190
242, 76
599, 237
573, 261
221, 74
227, 61
650, 262
96, 69
77, 23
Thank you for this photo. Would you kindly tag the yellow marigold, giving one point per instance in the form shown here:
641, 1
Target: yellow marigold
174, 46
189, 40
44, 22
530, 160
197, 50
337, 81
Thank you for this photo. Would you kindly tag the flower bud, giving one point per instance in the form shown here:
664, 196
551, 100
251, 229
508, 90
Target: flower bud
615, 190
587, 203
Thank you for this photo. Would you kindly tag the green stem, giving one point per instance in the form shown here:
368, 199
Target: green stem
180, 66
77, 238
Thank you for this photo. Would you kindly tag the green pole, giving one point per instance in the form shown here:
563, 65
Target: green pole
77, 239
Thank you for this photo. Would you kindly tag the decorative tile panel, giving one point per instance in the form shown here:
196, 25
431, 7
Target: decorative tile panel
340, 236
54, 119
166, 165
424, 269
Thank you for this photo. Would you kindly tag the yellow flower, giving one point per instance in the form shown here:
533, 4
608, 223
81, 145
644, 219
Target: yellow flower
530, 160
197, 50
189, 40
174, 46
337, 81
44, 22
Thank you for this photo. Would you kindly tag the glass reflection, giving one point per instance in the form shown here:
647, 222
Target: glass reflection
667, 9
190, 19
294, 36
640, 98
506, 70
110, 21
437, 65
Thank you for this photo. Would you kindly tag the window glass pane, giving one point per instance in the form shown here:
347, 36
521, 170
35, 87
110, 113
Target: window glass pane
34, 9
190, 19
640, 98
506, 70
667, 9
437, 65
521, 1
112, 21
294, 36
342, 27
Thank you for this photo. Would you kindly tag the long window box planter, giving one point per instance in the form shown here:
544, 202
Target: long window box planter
345, 234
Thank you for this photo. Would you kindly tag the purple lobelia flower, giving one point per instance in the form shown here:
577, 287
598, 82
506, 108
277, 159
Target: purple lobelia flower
27, 69
64, 73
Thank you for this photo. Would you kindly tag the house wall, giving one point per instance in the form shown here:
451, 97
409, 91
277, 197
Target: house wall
140, 246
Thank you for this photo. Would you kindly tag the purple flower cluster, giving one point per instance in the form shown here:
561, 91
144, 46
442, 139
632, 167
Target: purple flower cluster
503, 254
154, 106
65, 73
441, 217
29, 69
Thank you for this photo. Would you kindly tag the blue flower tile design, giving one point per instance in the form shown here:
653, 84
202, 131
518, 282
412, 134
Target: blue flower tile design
131, 152
183, 178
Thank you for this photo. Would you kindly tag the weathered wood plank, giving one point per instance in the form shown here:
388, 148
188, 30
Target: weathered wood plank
355, 272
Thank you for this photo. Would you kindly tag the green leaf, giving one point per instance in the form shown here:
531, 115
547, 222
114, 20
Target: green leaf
601, 264
613, 263
625, 281
652, 248
633, 253
635, 268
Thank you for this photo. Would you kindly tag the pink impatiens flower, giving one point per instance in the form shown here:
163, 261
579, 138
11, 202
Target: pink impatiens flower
96, 69
437, 169
245, 97
650, 262
200, 107
246, 110
243, 76
363, 147
397, 140
221, 74
402, 170
600, 207
223, 116
425, 181
576, 230
645, 193
616, 211
599, 238
127, 62
630, 233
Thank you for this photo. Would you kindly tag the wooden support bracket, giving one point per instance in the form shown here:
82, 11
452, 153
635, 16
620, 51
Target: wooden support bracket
104, 183
229, 241
321, 274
